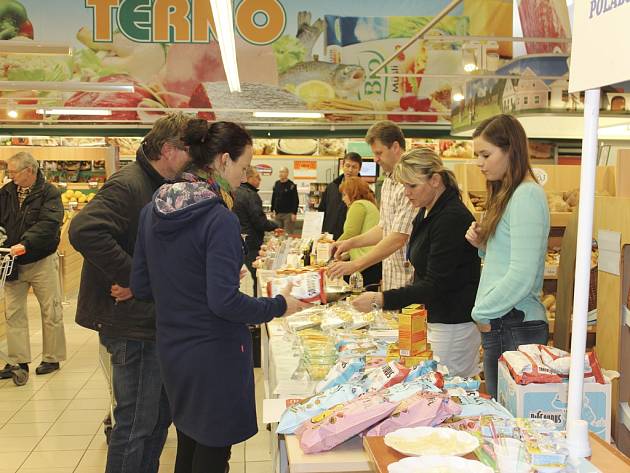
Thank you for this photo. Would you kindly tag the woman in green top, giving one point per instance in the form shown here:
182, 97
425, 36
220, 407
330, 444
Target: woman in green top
362, 215
512, 240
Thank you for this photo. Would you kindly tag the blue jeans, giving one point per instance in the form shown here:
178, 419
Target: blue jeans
506, 334
142, 413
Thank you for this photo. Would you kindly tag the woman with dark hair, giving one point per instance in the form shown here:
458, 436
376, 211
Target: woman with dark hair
187, 259
512, 240
446, 267
362, 215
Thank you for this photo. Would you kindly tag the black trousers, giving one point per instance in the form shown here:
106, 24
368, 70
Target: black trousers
192, 457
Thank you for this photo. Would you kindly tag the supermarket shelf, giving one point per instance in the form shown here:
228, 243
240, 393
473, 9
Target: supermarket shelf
590, 328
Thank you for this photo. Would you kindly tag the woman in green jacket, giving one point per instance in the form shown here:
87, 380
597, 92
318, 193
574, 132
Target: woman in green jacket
362, 216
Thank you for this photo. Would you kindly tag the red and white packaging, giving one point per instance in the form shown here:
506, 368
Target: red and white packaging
383, 377
307, 287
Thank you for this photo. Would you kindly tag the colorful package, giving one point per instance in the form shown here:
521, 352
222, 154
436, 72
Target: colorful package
469, 384
314, 405
402, 391
528, 368
559, 362
383, 376
421, 409
340, 373
475, 406
342, 422
423, 368
307, 287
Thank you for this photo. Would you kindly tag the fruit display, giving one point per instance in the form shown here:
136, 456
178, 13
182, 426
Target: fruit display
75, 196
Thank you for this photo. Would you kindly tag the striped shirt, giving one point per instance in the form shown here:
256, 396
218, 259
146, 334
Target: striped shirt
397, 216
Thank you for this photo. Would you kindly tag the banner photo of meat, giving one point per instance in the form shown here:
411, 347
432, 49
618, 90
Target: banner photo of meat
292, 55
545, 19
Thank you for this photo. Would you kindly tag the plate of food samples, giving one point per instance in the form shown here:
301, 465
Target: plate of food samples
438, 464
421, 441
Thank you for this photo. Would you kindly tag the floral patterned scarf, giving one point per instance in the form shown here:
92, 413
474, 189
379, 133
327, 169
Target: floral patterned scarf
195, 186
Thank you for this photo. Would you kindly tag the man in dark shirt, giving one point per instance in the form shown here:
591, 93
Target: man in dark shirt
249, 210
331, 204
285, 201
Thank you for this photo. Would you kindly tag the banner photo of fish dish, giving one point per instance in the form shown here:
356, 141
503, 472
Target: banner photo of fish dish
292, 55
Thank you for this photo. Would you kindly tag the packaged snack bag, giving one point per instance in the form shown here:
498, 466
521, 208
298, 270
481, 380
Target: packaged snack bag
383, 376
340, 373
421, 409
307, 286
423, 368
528, 368
402, 391
475, 406
469, 384
336, 425
315, 405
559, 362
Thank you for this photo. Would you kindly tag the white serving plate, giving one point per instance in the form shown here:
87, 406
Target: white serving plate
438, 464
423, 441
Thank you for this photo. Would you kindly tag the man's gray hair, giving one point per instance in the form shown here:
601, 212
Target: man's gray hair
283, 168
25, 160
251, 171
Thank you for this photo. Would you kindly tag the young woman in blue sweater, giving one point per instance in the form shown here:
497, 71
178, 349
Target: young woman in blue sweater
512, 240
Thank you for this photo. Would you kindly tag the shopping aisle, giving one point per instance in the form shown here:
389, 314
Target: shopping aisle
54, 423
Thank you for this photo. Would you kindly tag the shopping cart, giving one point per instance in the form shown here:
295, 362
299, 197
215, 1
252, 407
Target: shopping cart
19, 375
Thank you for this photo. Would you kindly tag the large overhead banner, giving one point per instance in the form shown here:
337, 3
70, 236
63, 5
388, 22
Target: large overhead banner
292, 54
601, 39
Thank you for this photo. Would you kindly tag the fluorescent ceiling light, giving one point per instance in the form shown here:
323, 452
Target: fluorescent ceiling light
12, 113
288, 115
34, 47
74, 111
66, 86
458, 96
470, 67
224, 23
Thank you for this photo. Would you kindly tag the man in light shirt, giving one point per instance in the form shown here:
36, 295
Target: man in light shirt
391, 235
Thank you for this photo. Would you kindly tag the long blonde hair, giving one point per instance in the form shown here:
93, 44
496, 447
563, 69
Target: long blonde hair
507, 133
424, 162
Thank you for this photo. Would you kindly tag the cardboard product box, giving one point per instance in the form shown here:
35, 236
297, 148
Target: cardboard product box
412, 330
413, 361
549, 401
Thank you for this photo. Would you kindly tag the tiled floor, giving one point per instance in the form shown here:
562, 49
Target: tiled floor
54, 423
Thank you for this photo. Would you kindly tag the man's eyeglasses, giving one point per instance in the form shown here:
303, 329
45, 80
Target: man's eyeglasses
14, 173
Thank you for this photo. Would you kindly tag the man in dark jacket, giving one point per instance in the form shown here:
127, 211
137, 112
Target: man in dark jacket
104, 232
31, 212
331, 204
249, 210
285, 201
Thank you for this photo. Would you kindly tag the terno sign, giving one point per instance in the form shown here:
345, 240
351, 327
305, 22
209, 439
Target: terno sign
183, 21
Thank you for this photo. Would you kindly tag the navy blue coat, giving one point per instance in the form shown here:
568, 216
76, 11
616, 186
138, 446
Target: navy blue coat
188, 261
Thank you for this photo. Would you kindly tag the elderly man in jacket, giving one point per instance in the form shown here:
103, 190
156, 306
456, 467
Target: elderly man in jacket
104, 232
31, 212
249, 210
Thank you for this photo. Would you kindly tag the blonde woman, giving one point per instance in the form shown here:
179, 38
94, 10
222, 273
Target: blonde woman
446, 266
512, 239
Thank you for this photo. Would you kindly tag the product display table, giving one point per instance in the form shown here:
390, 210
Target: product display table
605, 457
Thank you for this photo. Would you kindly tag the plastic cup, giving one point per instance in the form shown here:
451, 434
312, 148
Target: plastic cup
510, 454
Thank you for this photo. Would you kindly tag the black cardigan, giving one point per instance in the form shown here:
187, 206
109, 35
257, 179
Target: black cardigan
447, 267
